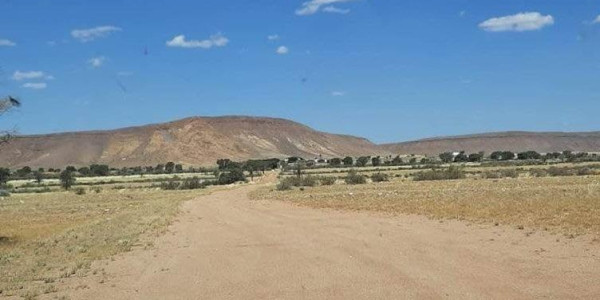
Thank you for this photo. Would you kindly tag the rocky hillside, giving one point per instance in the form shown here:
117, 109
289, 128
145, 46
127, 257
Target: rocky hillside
192, 141
512, 141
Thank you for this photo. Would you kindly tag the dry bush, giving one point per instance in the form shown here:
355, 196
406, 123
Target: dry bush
354, 178
284, 185
327, 180
380, 177
451, 173
502, 173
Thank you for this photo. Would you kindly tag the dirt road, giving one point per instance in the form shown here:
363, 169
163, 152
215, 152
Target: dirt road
225, 246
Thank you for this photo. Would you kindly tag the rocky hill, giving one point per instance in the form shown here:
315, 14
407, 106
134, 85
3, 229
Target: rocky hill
511, 141
192, 141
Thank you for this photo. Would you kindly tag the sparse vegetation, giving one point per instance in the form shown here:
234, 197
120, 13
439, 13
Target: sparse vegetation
232, 176
451, 173
44, 237
327, 180
354, 178
380, 177
502, 173
567, 205
67, 179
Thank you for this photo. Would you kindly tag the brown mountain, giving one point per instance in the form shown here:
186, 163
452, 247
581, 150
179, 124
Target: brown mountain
512, 141
192, 141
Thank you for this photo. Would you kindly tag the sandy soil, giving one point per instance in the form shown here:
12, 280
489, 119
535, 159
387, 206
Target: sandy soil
225, 246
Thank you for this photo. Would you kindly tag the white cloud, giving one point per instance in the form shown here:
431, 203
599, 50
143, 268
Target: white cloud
96, 62
90, 34
7, 43
597, 20
282, 50
313, 6
18, 75
217, 40
335, 10
35, 85
520, 22
338, 93
273, 37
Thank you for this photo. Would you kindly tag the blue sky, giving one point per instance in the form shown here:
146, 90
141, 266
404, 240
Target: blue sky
387, 70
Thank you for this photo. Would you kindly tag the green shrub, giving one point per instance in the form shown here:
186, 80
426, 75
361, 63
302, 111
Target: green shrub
191, 184
67, 180
451, 173
354, 178
233, 176
169, 185
380, 177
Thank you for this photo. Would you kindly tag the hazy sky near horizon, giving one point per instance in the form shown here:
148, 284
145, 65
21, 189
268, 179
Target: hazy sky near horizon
387, 70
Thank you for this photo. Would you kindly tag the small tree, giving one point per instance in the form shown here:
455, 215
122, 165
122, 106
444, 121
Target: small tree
529, 155
5, 105
38, 176
251, 172
99, 170
67, 179
475, 157
446, 157
376, 161
170, 167
461, 157
334, 162
298, 169
397, 160
85, 171
348, 161
234, 175
362, 161
179, 168
4, 175
24, 171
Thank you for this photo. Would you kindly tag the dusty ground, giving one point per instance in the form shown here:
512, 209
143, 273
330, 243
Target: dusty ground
225, 246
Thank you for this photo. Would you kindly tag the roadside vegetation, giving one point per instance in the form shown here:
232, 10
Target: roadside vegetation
558, 192
53, 230
45, 238
54, 223
568, 205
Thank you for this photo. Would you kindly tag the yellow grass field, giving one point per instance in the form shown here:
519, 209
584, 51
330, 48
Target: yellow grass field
49, 236
569, 205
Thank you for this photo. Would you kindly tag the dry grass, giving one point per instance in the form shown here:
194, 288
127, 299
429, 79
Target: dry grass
115, 179
569, 205
46, 237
